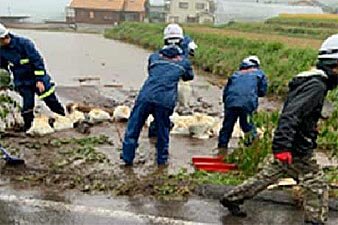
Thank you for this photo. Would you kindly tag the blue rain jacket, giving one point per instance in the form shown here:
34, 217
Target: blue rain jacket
185, 45
25, 62
165, 69
244, 88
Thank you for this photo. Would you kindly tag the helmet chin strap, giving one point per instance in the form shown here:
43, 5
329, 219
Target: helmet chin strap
173, 41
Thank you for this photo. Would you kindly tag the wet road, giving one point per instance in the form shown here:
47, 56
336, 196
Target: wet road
74, 209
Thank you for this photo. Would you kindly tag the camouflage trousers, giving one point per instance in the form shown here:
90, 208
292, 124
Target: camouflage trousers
304, 170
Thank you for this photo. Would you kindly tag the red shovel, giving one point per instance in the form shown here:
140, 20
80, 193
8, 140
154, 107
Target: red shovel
212, 164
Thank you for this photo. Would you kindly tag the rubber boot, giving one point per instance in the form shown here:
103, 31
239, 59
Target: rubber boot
233, 207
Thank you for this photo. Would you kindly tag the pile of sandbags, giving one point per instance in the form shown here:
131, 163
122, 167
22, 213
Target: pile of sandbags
77, 114
10, 115
197, 125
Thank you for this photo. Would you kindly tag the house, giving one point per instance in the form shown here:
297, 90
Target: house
190, 11
134, 10
156, 11
105, 11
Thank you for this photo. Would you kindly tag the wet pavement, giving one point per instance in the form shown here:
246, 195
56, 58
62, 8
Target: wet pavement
72, 208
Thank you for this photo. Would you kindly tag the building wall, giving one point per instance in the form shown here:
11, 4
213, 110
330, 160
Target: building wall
183, 11
133, 16
157, 13
97, 16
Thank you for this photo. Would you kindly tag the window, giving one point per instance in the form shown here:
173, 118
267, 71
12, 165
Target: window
173, 19
200, 6
191, 19
183, 5
91, 15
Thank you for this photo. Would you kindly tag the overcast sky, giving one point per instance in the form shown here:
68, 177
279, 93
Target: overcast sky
55, 9
39, 9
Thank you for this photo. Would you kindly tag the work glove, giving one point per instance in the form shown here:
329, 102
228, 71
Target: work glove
192, 47
284, 157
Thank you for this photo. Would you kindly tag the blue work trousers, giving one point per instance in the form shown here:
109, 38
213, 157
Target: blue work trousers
139, 115
230, 117
27, 93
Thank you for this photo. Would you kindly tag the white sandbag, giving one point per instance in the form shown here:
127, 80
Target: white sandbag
76, 116
121, 113
202, 126
149, 120
98, 115
181, 124
199, 131
62, 123
184, 93
40, 127
237, 132
283, 182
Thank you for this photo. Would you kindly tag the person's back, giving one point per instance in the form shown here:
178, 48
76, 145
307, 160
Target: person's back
165, 69
240, 97
297, 127
243, 89
158, 96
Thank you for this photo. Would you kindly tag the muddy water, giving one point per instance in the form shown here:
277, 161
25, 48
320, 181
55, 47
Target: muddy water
71, 55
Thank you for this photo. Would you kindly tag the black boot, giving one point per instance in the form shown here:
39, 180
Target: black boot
28, 118
233, 207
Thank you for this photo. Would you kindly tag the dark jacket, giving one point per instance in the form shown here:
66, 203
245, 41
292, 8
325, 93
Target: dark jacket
165, 69
244, 88
297, 125
24, 61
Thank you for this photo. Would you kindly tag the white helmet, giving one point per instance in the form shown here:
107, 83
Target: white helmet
173, 31
3, 31
254, 59
329, 48
251, 61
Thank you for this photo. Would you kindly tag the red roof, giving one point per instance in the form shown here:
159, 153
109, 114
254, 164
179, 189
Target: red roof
134, 5
113, 5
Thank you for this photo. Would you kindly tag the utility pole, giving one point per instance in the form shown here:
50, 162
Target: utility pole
9, 11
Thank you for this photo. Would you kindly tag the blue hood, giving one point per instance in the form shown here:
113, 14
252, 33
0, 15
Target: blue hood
171, 51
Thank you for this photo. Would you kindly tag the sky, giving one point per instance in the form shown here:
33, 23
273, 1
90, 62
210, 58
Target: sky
55, 9
37, 9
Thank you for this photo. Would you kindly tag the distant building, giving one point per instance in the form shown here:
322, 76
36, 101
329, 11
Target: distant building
156, 11
190, 11
105, 11
134, 10
13, 19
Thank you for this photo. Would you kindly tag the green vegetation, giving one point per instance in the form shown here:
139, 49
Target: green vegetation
306, 20
283, 28
79, 149
4, 78
221, 55
248, 158
328, 136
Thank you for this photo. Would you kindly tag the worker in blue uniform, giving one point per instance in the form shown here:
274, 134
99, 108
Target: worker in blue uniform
158, 96
188, 47
19, 56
